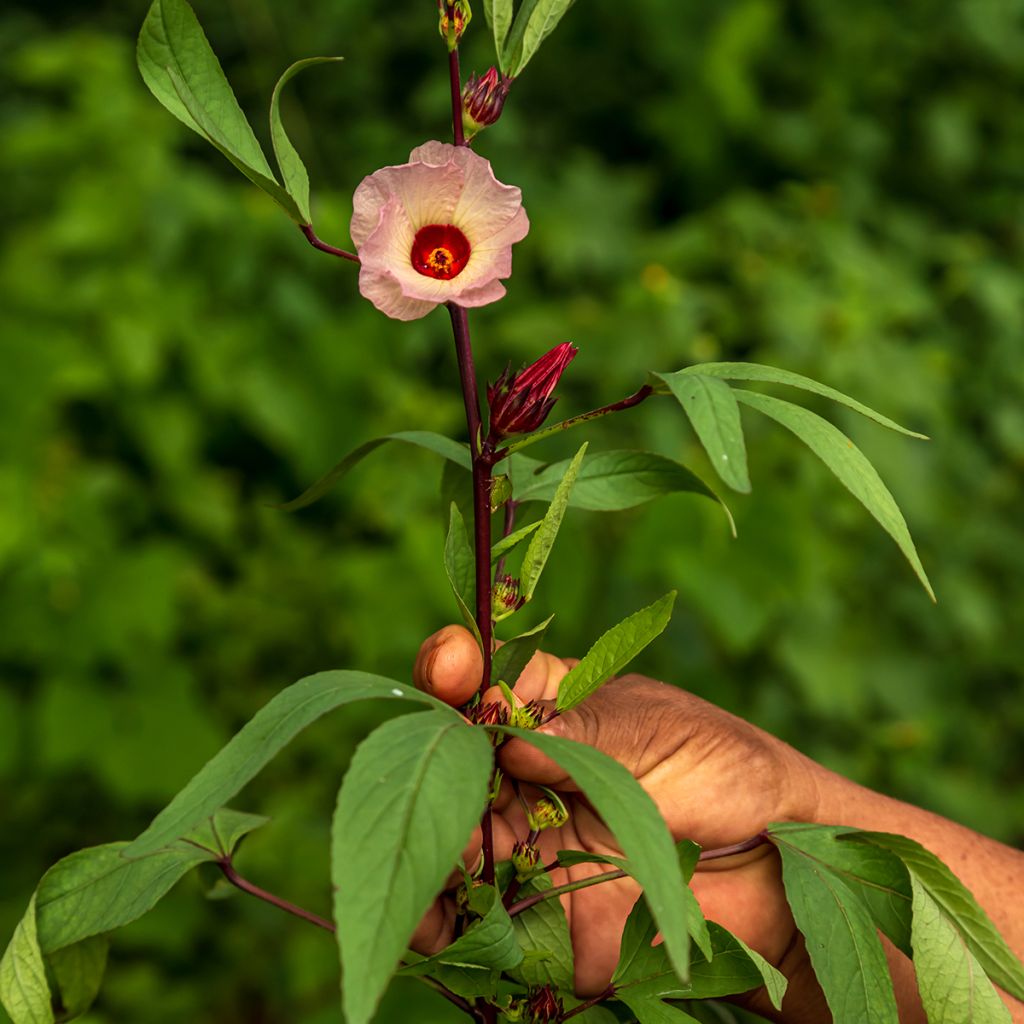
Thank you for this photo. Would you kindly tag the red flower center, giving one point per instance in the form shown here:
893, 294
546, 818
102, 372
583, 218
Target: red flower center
440, 251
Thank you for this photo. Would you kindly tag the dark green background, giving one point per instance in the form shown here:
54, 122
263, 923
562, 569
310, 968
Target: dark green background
833, 190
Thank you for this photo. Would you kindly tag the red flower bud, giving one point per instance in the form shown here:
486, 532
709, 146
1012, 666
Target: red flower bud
483, 99
454, 16
543, 1006
505, 597
520, 402
491, 713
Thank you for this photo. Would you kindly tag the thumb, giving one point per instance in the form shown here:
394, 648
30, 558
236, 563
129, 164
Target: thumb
449, 665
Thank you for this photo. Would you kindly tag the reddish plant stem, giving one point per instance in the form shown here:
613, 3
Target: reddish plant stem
456, 85
583, 1007
307, 230
761, 839
507, 528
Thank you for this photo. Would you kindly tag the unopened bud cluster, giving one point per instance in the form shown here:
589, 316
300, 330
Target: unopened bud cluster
483, 99
543, 1006
547, 812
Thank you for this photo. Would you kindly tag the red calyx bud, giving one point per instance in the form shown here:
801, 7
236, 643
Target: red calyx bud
525, 857
520, 402
454, 16
491, 713
483, 99
543, 1006
505, 598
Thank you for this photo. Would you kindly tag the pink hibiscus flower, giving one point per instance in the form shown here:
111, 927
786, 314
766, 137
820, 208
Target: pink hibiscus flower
437, 229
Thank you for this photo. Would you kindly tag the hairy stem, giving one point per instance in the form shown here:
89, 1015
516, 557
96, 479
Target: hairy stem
556, 428
307, 230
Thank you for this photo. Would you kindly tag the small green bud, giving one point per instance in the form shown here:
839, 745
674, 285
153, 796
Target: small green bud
547, 812
525, 857
455, 15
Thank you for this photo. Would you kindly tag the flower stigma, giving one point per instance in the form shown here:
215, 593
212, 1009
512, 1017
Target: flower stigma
440, 251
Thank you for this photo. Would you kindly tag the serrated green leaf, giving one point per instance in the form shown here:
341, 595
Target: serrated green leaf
638, 828
514, 655
24, 991
513, 540
498, 14
437, 443
78, 971
611, 481
613, 651
954, 988
543, 928
460, 565
293, 170
414, 792
848, 463
543, 540
772, 375
843, 945
268, 732
712, 410
957, 904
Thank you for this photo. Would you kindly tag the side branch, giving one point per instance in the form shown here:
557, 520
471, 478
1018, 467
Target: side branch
307, 230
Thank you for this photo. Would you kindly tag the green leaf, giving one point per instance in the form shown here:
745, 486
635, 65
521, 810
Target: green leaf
639, 960
437, 443
271, 729
543, 540
514, 655
613, 651
543, 20
639, 830
460, 565
954, 988
78, 971
544, 929
222, 833
23, 988
769, 374
957, 904
293, 170
651, 1010
513, 540
512, 51
409, 802
711, 407
848, 463
498, 14
845, 951
611, 481
876, 875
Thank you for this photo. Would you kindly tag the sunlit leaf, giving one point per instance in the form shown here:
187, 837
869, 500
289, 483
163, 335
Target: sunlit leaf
24, 991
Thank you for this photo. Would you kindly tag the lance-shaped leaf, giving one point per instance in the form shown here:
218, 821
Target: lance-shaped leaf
78, 972
954, 988
772, 375
638, 828
409, 802
956, 904
460, 566
842, 942
293, 170
711, 407
272, 728
613, 651
498, 14
543, 540
611, 481
848, 463
536, 20
512, 657
543, 934
436, 443
509, 543
651, 1010
24, 991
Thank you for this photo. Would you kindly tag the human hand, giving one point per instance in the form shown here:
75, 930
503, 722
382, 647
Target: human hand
716, 779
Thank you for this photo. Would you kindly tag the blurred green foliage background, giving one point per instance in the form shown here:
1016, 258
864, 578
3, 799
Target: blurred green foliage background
833, 191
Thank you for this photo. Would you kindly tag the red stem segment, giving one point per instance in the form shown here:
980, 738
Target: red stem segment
583, 1007
307, 230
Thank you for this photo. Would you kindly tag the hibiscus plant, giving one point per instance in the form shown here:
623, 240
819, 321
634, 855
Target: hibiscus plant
438, 230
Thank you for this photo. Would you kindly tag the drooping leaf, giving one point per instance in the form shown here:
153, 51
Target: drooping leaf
848, 463
613, 651
954, 988
543, 540
293, 170
543, 929
957, 904
611, 481
437, 443
460, 565
513, 540
408, 804
24, 991
78, 971
514, 655
711, 407
772, 375
268, 732
843, 945
638, 828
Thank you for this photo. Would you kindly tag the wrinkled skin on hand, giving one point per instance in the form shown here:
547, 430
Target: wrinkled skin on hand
716, 779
